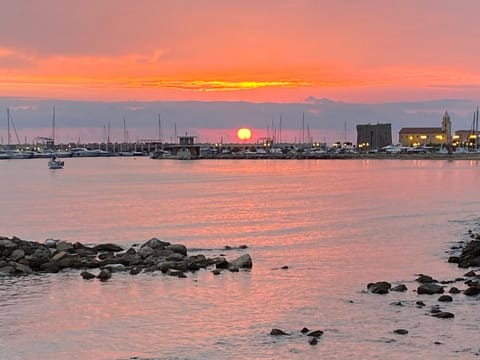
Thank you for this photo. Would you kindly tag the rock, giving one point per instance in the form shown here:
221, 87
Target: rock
304, 330
22, 268
444, 315
136, 270
400, 287
445, 298
51, 243
313, 341
454, 290
242, 262
107, 247
471, 291
284, 267
420, 303
278, 332
7, 244
177, 248
104, 275
380, 287
145, 251
155, 243
425, 279
87, 275
222, 263
471, 273
64, 246
17, 254
216, 272
400, 331
430, 289
453, 259
315, 333
470, 256
115, 267
177, 273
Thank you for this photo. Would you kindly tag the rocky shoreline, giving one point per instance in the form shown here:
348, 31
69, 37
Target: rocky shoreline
466, 255
21, 257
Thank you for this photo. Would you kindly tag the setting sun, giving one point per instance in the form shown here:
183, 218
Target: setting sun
244, 134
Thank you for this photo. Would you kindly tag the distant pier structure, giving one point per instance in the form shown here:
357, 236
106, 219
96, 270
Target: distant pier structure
374, 136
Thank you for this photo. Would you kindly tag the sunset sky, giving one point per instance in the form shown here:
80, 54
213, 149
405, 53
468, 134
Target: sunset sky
370, 51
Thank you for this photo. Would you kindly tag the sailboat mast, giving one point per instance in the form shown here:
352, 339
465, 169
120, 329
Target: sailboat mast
280, 130
53, 125
303, 127
159, 128
8, 126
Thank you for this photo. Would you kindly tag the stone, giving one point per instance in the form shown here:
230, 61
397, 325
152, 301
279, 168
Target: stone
425, 279
104, 275
379, 287
108, 247
400, 287
87, 275
155, 243
401, 331
471, 291
443, 315
315, 333
445, 298
430, 289
242, 262
278, 332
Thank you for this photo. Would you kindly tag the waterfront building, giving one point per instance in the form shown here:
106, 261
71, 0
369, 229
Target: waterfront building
418, 136
374, 136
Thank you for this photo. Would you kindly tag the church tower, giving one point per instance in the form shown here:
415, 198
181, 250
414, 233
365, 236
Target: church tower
447, 127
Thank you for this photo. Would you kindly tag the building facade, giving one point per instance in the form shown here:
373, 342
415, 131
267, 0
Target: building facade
419, 136
374, 136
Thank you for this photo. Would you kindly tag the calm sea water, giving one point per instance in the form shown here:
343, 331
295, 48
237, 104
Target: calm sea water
338, 225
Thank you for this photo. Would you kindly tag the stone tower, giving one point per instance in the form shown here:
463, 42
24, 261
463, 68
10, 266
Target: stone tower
447, 127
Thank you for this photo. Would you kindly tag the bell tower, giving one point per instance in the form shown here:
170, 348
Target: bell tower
447, 127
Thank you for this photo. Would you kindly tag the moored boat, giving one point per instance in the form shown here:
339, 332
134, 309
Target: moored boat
55, 164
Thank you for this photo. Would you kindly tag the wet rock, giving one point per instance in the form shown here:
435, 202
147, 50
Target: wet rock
216, 272
304, 330
278, 332
87, 275
379, 287
177, 248
104, 275
108, 247
470, 256
453, 259
400, 287
313, 341
454, 290
425, 279
445, 298
222, 264
401, 331
472, 291
430, 289
177, 273
315, 333
471, 273
20, 257
242, 262
135, 271
444, 315
155, 243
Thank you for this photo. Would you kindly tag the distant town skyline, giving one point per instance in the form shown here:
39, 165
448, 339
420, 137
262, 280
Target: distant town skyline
213, 66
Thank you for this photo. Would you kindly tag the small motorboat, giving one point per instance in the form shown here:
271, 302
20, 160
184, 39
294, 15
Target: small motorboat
55, 164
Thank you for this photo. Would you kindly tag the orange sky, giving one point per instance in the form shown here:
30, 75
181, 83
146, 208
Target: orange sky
360, 51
